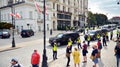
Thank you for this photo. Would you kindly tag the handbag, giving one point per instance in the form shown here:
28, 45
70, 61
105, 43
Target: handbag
67, 55
92, 57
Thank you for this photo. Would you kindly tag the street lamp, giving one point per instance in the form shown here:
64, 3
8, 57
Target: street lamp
44, 61
13, 22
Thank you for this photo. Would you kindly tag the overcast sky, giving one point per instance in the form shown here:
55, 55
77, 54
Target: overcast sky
108, 7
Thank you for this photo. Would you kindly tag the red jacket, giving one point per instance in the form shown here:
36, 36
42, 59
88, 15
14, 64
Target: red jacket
98, 44
35, 58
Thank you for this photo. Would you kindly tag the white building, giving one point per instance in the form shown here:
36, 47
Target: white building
30, 19
61, 13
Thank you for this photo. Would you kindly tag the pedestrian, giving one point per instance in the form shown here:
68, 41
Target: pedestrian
117, 53
98, 36
54, 51
70, 43
76, 57
84, 52
95, 54
88, 39
79, 43
111, 35
99, 44
117, 33
35, 59
14, 63
107, 37
104, 40
68, 52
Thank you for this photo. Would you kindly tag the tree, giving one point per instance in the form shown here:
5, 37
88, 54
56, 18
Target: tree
101, 19
4, 25
91, 19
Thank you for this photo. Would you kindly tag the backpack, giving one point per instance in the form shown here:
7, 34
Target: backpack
100, 46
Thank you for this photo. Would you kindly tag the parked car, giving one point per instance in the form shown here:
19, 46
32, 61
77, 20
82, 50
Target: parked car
93, 34
4, 34
62, 38
27, 33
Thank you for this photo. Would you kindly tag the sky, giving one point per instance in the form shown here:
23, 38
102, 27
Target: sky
107, 7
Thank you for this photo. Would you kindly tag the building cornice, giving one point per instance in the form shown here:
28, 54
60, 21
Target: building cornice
14, 4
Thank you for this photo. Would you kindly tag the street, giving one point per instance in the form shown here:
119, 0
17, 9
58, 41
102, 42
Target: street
27, 45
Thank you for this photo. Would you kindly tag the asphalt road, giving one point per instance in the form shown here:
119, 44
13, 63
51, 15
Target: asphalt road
19, 39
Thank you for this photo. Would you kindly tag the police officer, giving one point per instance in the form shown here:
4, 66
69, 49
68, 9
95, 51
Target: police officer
104, 40
54, 51
88, 39
117, 32
70, 43
111, 35
98, 36
79, 43
107, 37
87, 29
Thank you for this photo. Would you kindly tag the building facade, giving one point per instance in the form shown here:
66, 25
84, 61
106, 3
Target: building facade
30, 19
60, 14
69, 13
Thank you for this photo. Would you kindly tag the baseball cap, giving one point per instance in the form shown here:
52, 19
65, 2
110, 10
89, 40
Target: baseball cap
14, 60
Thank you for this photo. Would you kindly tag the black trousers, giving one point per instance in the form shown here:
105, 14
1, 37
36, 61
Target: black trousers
111, 37
88, 43
54, 55
79, 46
35, 65
104, 43
68, 61
71, 48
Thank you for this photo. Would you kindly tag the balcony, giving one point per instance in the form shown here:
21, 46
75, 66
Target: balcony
12, 3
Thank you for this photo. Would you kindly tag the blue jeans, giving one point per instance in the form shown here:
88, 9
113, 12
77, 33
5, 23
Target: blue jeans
118, 60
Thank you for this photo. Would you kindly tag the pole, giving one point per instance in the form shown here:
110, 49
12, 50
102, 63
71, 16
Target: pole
0, 15
13, 22
44, 61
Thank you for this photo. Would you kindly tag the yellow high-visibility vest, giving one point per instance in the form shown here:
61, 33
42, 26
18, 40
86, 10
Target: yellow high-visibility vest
70, 43
117, 32
55, 47
78, 41
107, 34
98, 36
88, 38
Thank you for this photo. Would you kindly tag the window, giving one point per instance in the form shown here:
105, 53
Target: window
68, 9
4, 16
63, 8
54, 14
30, 15
68, 2
8, 16
58, 7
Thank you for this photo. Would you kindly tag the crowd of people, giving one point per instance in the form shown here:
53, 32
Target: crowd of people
95, 54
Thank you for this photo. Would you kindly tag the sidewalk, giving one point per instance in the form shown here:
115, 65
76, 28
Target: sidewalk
108, 59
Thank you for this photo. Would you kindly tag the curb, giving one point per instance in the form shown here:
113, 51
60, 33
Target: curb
9, 48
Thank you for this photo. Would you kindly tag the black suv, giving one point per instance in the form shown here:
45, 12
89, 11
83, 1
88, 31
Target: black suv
27, 33
4, 34
62, 38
